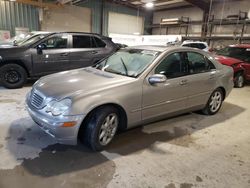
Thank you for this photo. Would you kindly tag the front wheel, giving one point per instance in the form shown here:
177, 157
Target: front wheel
214, 103
13, 76
101, 128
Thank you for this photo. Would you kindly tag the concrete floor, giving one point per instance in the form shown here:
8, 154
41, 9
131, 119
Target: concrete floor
191, 150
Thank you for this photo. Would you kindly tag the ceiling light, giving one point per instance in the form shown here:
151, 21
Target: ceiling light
149, 5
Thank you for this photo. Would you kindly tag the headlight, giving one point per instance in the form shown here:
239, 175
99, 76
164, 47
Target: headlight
59, 107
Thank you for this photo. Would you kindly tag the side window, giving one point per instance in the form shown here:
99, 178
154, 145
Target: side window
247, 55
186, 45
82, 41
197, 63
56, 42
202, 46
195, 45
98, 43
172, 66
211, 65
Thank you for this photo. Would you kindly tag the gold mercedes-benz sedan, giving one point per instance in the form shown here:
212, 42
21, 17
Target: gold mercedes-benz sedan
134, 86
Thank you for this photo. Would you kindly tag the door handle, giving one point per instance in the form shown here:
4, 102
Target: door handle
64, 54
94, 52
183, 82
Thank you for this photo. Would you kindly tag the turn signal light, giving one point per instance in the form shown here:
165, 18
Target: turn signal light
69, 124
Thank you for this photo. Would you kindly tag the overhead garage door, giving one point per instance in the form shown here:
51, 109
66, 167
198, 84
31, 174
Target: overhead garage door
125, 24
68, 18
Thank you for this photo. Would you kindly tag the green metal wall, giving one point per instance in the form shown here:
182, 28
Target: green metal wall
96, 6
14, 15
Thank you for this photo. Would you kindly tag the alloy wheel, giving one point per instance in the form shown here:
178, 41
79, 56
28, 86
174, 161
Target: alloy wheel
12, 76
108, 129
216, 100
240, 81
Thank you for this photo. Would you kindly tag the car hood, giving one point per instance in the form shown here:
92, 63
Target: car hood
6, 44
11, 50
77, 82
227, 60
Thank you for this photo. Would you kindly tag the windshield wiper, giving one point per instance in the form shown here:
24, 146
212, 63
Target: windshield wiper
125, 68
113, 71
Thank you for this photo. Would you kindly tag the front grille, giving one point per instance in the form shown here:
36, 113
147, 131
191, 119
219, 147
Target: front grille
36, 100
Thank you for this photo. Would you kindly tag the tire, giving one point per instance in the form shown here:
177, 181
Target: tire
13, 76
239, 80
97, 128
214, 103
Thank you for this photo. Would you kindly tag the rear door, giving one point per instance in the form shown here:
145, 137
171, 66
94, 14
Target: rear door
54, 56
85, 51
201, 79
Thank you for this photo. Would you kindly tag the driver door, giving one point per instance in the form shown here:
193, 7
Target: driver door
53, 57
165, 98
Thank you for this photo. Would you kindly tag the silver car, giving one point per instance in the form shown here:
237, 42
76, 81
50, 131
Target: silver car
134, 86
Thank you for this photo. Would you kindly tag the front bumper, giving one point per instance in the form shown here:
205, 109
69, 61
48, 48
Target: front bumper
53, 125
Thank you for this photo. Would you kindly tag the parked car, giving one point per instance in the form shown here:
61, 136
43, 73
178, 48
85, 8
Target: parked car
135, 85
50, 53
196, 44
238, 57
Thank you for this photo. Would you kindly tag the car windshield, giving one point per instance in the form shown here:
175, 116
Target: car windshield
235, 52
31, 40
128, 62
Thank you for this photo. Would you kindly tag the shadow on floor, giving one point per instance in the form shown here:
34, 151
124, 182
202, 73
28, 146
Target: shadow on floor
58, 159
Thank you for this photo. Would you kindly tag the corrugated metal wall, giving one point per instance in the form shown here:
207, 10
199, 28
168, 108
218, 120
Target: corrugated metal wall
14, 15
96, 6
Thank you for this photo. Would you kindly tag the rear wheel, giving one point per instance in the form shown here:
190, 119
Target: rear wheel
13, 76
239, 80
100, 128
214, 103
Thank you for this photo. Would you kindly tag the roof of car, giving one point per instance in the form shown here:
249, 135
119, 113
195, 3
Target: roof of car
150, 47
73, 32
76, 32
241, 45
190, 41
159, 48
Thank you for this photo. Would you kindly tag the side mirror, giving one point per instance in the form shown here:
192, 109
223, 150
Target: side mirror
157, 78
15, 42
40, 48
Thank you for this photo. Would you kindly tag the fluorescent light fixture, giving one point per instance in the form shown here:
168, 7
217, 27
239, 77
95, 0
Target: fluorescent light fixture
12, 0
149, 5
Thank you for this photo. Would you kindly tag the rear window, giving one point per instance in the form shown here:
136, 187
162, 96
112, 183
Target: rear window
196, 45
235, 52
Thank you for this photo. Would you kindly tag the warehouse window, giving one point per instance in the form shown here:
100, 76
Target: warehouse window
81, 41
